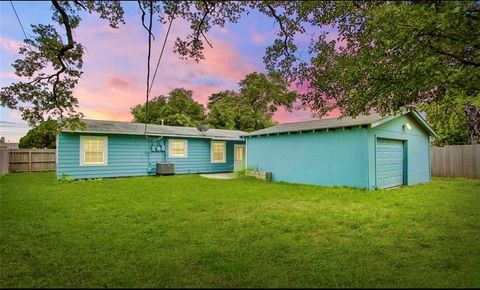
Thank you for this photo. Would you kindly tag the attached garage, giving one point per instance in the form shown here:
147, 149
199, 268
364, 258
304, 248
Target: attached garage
367, 151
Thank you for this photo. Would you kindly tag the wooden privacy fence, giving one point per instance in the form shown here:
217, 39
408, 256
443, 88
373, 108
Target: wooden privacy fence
4, 161
456, 161
22, 160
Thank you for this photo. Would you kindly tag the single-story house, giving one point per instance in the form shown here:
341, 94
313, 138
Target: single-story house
116, 149
366, 152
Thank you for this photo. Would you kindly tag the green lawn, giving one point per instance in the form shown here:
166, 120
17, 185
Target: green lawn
196, 232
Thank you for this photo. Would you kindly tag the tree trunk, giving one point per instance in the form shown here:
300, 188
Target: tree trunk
473, 116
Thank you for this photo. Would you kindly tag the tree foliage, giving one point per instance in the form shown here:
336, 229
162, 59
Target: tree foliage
52, 66
251, 108
229, 110
178, 109
42, 136
389, 56
448, 119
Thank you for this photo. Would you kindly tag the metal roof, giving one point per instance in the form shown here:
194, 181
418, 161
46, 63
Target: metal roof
129, 128
319, 124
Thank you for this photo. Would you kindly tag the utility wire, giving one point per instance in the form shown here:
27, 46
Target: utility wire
18, 18
161, 54
148, 64
150, 86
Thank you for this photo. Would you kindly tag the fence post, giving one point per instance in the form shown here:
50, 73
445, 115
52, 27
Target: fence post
30, 161
4, 161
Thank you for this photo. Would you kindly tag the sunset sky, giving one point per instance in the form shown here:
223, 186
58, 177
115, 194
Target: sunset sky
115, 61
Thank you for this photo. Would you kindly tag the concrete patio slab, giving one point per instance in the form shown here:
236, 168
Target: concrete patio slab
229, 175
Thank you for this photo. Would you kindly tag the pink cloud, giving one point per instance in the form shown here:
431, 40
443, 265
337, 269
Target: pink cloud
114, 77
7, 78
119, 83
283, 116
10, 45
258, 38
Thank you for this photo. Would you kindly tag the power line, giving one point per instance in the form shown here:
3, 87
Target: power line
161, 54
18, 18
148, 63
149, 86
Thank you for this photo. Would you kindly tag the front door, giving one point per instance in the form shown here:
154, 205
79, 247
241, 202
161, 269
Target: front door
239, 157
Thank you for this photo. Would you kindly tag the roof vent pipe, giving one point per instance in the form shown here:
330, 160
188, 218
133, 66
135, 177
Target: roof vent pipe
203, 128
162, 122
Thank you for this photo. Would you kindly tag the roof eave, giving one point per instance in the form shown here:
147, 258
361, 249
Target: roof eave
416, 116
306, 130
155, 134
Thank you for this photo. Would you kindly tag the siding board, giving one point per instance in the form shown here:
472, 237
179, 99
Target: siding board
131, 156
339, 157
336, 157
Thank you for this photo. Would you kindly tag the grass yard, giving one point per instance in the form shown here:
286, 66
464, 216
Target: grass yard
188, 231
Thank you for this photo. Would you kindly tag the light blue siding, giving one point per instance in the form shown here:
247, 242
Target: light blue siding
390, 162
417, 149
341, 157
130, 155
336, 157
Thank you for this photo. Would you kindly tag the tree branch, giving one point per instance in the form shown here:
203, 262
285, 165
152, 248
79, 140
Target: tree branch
80, 4
199, 31
462, 60
63, 50
282, 28
143, 19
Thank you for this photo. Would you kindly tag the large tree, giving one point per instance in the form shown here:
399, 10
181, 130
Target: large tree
229, 110
178, 109
52, 60
51, 66
42, 136
251, 108
388, 56
448, 119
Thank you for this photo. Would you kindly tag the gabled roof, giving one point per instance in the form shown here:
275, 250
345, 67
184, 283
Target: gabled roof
129, 128
372, 120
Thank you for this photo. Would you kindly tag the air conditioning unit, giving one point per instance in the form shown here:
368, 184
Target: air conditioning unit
165, 168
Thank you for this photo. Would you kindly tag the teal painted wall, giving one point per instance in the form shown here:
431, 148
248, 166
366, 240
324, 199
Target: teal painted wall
338, 157
416, 146
130, 155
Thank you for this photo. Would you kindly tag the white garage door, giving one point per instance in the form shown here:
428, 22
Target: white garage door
390, 162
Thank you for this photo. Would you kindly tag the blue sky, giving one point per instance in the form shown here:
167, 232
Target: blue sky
115, 61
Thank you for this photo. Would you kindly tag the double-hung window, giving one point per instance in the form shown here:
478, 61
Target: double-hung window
218, 152
177, 148
93, 150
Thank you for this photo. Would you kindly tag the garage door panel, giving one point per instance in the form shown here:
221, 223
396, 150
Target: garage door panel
389, 163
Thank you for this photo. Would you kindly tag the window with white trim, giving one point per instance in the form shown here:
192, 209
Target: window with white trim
177, 148
93, 150
218, 152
